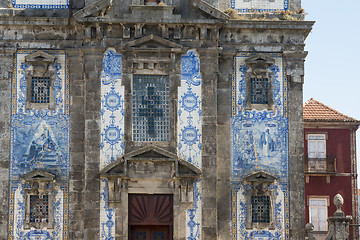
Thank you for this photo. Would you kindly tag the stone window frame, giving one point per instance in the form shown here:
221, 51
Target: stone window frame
259, 69
327, 199
260, 183
151, 55
41, 65
41, 183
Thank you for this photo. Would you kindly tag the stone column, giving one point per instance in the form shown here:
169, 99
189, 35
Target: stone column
6, 66
295, 78
224, 105
209, 73
339, 224
92, 69
77, 146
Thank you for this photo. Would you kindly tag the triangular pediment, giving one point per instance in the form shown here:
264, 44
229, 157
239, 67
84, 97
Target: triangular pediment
151, 42
186, 169
40, 57
116, 168
39, 175
93, 10
150, 152
260, 59
120, 167
260, 177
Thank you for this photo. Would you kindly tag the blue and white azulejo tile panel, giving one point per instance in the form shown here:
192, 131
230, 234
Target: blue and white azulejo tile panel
112, 132
107, 215
112, 109
189, 131
245, 6
259, 138
39, 141
41, 4
189, 109
259, 143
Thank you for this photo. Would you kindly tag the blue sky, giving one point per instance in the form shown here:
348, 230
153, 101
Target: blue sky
332, 67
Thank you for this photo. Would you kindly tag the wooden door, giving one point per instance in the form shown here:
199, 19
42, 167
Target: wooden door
150, 217
150, 233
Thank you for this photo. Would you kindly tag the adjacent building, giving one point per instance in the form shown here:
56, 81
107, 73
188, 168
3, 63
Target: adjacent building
330, 165
145, 119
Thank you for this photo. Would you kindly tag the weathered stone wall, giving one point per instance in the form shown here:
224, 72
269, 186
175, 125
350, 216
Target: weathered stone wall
6, 66
216, 43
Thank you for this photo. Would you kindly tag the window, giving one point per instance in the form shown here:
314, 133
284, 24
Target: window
259, 91
259, 77
151, 108
260, 198
39, 208
318, 213
316, 146
39, 198
260, 209
40, 90
40, 79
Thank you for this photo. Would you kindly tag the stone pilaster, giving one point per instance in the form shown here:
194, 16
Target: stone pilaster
77, 144
295, 76
6, 66
92, 69
209, 73
223, 187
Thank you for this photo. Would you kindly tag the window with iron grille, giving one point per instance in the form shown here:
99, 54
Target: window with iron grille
39, 208
40, 90
260, 209
151, 108
259, 91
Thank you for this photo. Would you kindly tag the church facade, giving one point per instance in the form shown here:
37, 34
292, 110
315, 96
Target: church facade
145, 119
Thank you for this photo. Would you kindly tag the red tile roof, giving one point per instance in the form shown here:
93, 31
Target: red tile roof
315, 111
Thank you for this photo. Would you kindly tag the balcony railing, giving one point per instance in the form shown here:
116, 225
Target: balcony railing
320, 165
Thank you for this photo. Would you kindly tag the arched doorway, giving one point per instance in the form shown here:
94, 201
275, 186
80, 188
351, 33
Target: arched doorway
150, 217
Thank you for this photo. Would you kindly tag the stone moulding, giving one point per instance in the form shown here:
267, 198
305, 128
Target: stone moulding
40, 183
42, 65
209, 9
95, 8
150, 163
260, 183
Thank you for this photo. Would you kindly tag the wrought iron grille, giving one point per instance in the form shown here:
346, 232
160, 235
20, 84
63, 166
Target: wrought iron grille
260, 209
151, 108
39, 208
259, 91
40, 90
